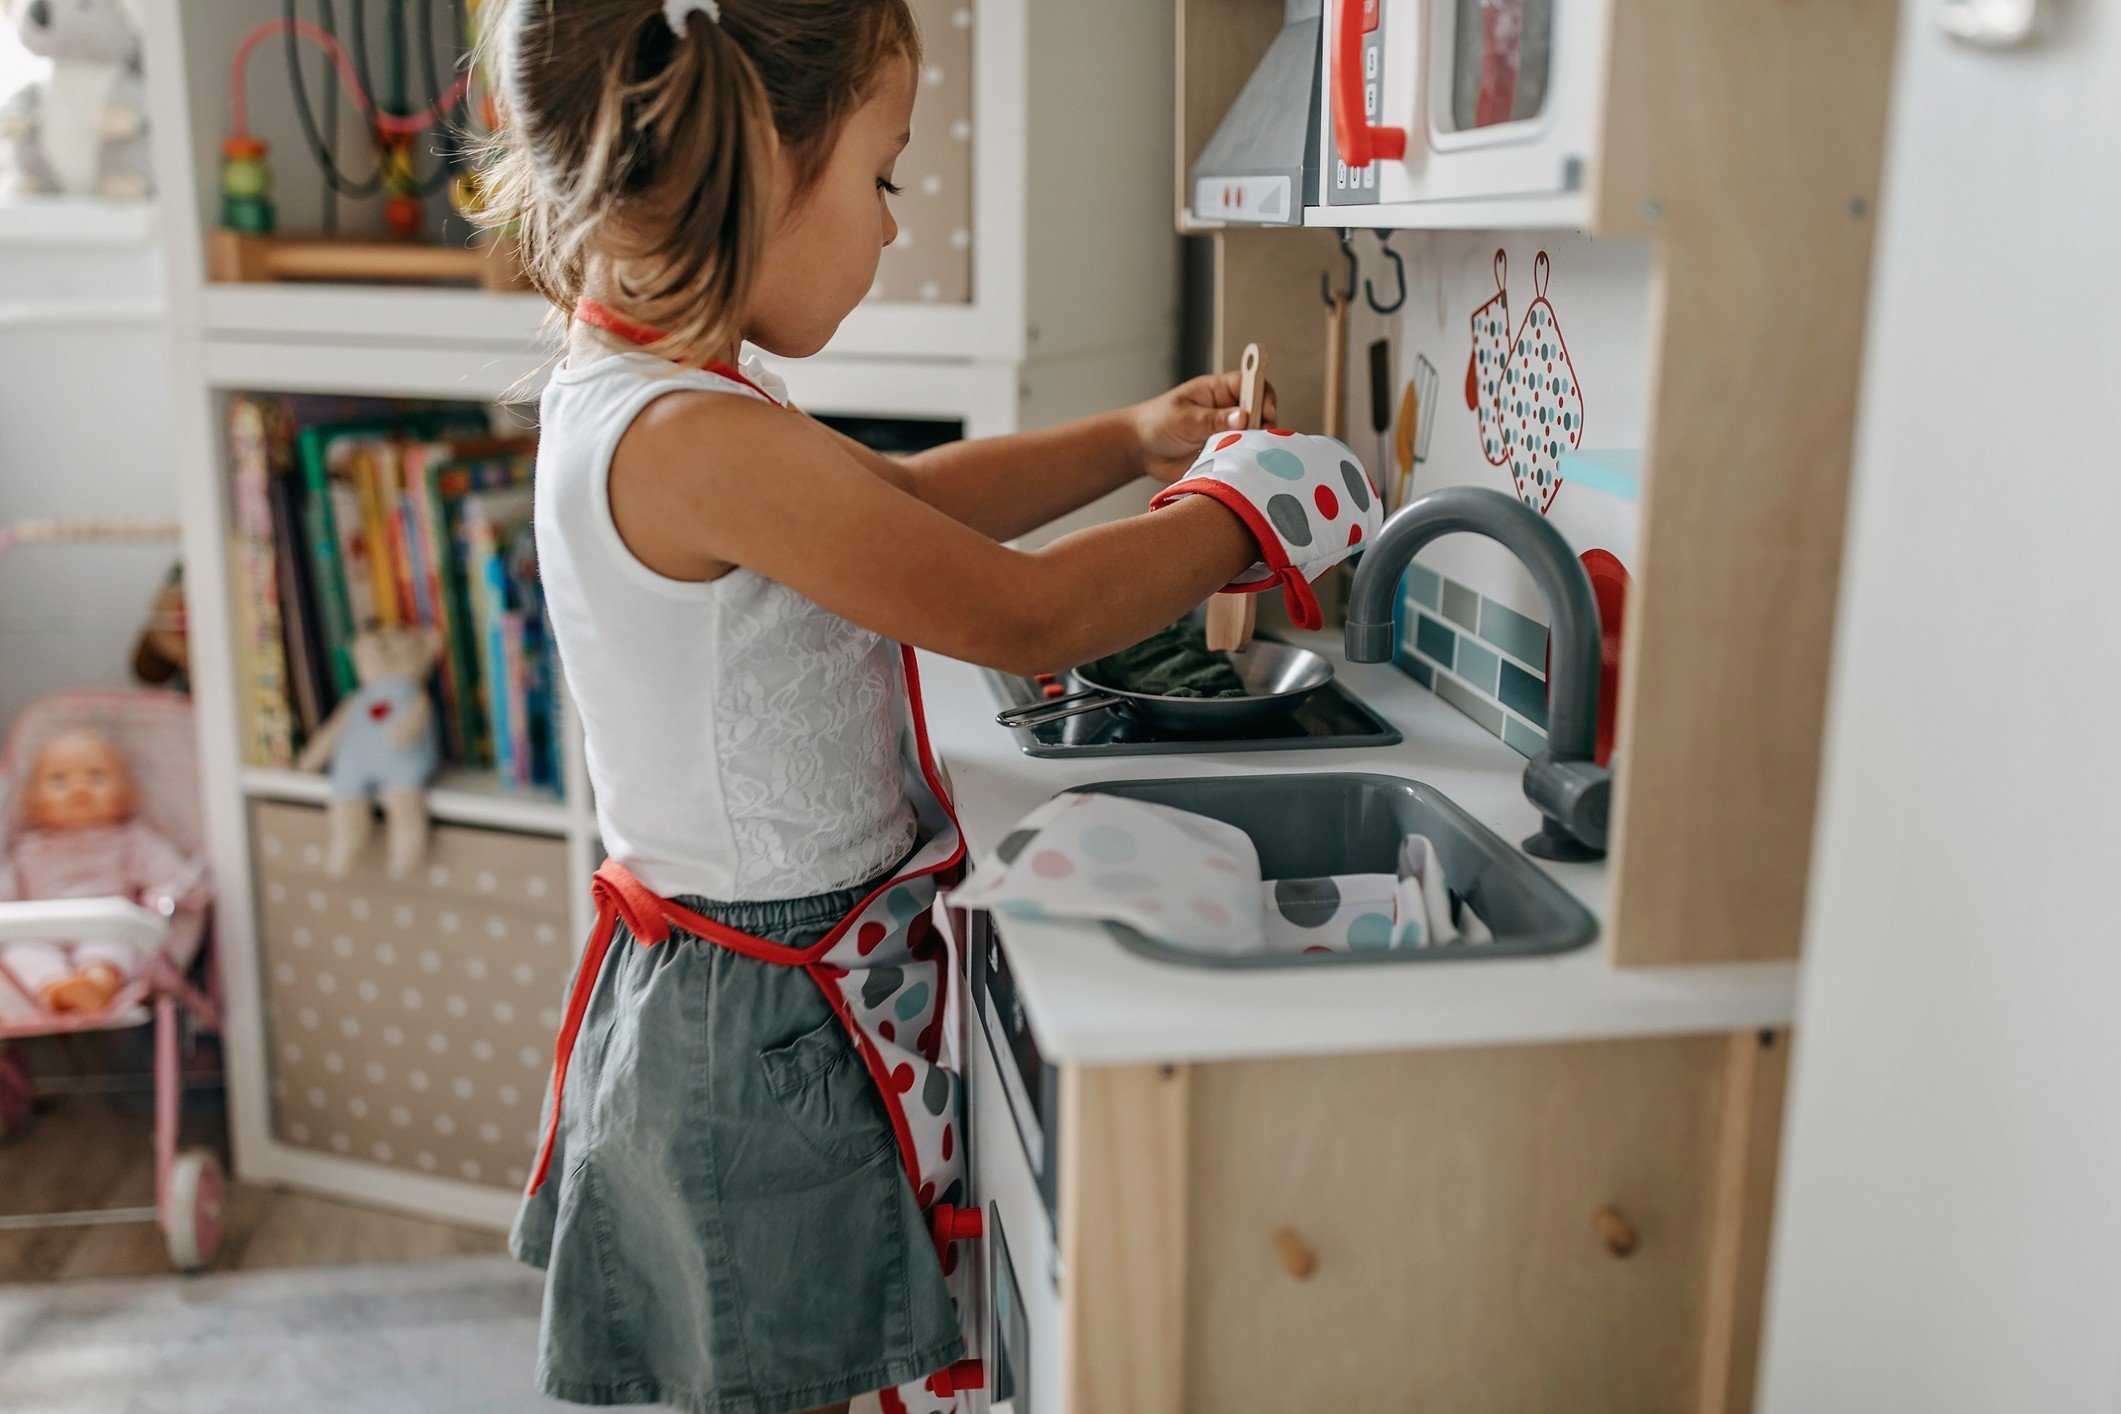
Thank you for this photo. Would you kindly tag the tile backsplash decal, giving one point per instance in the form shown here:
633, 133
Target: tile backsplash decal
1479, 655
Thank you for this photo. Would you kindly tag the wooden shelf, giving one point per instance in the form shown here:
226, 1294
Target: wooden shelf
410, 370
459, 796
386, 314
67, 222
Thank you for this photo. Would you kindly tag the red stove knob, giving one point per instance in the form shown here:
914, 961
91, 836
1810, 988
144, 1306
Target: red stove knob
964, 1375
955, 1224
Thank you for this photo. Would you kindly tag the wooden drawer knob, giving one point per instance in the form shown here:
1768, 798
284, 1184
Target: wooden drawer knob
1297, 1258
1620, 1235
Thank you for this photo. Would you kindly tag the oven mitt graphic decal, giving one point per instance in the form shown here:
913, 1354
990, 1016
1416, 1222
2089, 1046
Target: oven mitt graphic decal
1172, 875
1523, 389
1542, 405
1305, 498
1485, 365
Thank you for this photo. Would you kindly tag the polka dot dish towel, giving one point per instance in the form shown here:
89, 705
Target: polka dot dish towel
1181, 878
1369, 912
1306, 499
1195, 884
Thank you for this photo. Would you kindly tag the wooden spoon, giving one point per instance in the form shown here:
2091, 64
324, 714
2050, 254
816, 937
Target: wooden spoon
1231, 617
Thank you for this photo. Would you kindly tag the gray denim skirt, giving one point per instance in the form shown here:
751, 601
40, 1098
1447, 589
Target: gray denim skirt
726, 1227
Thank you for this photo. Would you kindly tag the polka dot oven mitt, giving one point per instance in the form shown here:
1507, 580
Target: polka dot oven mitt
1175, 876
1305, 498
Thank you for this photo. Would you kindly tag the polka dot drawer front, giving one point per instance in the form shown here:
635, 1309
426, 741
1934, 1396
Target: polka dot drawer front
931, 261
410, 1022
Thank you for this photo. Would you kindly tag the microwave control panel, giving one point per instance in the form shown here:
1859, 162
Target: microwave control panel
1357, 186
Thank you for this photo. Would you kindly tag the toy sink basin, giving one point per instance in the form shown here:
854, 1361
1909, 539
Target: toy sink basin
1345, 822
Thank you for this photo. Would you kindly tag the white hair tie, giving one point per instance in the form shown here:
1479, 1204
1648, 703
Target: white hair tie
677, 12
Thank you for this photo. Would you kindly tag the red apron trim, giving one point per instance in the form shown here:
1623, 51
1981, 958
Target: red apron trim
649, 917
590, 312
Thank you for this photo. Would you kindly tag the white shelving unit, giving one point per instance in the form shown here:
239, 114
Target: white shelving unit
1060, 187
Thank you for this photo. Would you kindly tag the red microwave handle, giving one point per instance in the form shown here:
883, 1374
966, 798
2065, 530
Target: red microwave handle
1360, 142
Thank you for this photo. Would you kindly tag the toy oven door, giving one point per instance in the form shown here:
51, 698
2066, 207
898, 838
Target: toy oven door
1442, 101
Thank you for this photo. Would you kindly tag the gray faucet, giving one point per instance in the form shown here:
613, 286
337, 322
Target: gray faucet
1571, 791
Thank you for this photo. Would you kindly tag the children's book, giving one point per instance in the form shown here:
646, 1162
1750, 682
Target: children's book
245, 613
531, 666
270, 738
308, 674
429, 552
322, 466
490, 518
356, 561
456, 470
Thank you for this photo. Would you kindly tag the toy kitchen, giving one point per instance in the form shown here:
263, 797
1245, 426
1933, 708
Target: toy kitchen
1467, 1091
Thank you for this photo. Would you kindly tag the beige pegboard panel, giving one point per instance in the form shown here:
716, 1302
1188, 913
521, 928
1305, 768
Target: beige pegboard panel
931, 261
410, 1022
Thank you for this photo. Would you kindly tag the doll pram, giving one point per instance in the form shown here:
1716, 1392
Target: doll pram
153, 729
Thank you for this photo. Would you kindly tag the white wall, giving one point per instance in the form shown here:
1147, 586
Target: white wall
84, 432
1950, 1226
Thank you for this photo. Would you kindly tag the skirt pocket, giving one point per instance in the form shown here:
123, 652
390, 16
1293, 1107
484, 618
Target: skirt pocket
825, 1091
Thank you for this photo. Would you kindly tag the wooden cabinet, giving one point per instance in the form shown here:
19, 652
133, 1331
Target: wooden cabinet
1740, 144
1574, 1226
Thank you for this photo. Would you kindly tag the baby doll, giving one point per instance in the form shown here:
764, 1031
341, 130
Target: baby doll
83, 842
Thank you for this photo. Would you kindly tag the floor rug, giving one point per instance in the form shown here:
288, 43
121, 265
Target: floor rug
446, 1337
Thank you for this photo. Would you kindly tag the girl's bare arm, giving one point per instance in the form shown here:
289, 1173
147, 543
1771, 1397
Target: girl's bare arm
1006, 486
703, 482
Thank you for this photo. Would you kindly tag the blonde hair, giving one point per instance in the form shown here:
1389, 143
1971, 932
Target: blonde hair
643, 151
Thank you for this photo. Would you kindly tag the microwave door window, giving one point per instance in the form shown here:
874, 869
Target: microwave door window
1500, 54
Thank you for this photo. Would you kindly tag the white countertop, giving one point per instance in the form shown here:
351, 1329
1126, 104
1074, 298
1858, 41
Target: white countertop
1093, 1002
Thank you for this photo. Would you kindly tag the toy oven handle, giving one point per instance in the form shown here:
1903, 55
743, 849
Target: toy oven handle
1359, 141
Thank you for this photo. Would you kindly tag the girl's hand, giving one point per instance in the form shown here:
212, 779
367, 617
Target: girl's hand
1172, 429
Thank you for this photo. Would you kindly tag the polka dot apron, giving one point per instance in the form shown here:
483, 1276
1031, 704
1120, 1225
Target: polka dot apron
885, 969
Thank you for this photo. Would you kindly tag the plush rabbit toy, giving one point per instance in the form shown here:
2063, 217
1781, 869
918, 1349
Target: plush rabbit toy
83, 131
381, 742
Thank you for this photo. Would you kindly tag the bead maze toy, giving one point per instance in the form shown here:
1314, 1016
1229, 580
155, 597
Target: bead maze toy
248, 246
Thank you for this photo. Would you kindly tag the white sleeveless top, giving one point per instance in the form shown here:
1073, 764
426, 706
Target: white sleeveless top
743, 743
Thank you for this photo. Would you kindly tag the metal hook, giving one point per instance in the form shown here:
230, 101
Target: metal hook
1325, 281
1399, 273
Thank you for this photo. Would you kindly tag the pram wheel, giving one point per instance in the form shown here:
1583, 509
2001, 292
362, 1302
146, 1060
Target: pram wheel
17, 1093
191, 1216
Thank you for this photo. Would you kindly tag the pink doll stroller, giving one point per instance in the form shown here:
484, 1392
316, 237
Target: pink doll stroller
153, 731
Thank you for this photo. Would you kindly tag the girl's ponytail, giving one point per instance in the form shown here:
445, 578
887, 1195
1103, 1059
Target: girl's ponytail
641, 154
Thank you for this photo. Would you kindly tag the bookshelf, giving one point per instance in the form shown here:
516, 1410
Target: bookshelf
459, 796
1017, 339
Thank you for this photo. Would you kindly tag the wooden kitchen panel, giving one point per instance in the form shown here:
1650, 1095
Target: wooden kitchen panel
1756, 1075
1266, 292
1448, 1205
1220, 43
1745, 140
1124, 1196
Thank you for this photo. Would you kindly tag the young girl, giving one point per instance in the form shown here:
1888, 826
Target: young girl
745, 1197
